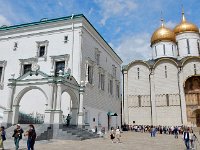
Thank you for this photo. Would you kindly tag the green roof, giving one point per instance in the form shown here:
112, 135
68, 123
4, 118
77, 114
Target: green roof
45, 21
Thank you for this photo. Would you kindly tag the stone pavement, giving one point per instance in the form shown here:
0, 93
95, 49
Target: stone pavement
130, 141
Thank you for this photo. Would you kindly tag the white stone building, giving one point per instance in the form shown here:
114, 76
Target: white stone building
63, 60
1, 113
165, 90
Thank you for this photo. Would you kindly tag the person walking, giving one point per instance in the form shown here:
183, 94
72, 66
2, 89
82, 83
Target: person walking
3, 136
17, 136
1, 139
118, 134
176, 132
31, 137
192, 139
112, 134
186, 138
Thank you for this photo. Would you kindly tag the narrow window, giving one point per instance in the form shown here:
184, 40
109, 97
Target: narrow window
27, 68
139, 101
102, 81
155, 50
188, 46
90, 74
165, 71
164, 49
167, 99
98, 59
198, 46
65, 39
60, 65
41, 51
1, 72
173, 50
117, 90
111, 87
138, 73
195, 69
177, 49
99, 81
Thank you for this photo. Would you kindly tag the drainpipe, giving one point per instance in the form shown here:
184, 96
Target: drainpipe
179, 92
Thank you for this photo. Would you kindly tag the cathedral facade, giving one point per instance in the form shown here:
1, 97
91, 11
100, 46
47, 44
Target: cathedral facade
165, 90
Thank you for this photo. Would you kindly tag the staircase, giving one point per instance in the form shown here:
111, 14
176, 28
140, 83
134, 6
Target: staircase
74, 133
46, 132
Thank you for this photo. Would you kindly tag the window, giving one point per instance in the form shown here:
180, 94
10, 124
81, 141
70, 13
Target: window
87, 117
198, 46
66, 39
41, 51
177, 49
114, 70
111, 87
101, 81
139, 101
60, 65
155, 50
97, 56
164, 49
167, 99
195, 69
173, 50
90, 74
188, 46
138, 73
165, 71
117, 90
26, 68
1, 72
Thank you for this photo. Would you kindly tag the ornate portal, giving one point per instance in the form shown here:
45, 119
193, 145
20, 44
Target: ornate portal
192, 97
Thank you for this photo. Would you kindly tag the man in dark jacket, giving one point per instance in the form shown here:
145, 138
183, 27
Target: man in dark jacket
186, 138
17, 136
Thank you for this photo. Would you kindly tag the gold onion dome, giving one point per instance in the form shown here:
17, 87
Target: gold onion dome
162, 34
185, 26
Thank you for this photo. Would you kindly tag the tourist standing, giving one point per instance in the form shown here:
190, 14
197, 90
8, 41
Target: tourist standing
118, 134
68, 119
3, 136
17, 136
192, 139
112, 134
31, 137
176, 132
186, 138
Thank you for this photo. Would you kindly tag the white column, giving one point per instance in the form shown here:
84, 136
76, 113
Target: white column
153, 101
10, 97
125, 95
182, 95
15, 114
58, 112
51, 96
80, 115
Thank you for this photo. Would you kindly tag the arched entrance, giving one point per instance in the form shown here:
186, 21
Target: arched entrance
32, 109
69, 105
192, 97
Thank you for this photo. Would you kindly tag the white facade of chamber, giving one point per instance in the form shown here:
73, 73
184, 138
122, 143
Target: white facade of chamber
75, 42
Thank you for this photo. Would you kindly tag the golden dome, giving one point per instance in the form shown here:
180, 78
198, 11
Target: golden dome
185, 26
162, 34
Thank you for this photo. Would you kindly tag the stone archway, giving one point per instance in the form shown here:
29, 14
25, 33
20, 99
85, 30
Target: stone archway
192, 98
74, 105
23, 118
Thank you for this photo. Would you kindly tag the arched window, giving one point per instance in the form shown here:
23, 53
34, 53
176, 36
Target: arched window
177, 49
188, 46
164, 49
195, 69
198, 45
165, 71
138, 73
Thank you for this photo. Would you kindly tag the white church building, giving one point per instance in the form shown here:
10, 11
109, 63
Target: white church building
165, 90
62, 66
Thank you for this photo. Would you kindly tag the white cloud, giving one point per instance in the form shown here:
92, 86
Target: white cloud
134, 47
170, 24
4, 21
113, 8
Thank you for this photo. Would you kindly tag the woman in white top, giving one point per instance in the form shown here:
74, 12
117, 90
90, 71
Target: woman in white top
118, 134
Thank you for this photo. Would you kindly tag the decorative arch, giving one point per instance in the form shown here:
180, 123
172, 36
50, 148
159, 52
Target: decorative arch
185, 60
24, 91
138, 62
72, 95
165, 59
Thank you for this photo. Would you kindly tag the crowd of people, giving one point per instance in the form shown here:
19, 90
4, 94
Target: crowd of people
17, 135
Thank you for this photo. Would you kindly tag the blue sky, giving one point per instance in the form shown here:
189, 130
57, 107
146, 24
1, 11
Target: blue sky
127, 25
